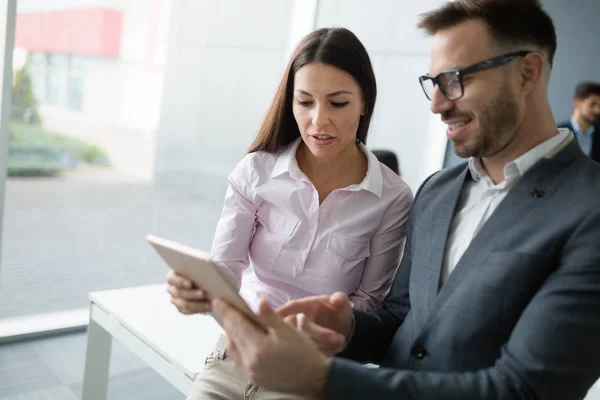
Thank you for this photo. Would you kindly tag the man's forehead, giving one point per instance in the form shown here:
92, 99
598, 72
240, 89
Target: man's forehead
459, 46
594, 98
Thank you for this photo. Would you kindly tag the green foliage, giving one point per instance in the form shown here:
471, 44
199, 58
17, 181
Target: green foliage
24, 103
33, 151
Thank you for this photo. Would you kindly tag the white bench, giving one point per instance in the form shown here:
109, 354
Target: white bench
144, 320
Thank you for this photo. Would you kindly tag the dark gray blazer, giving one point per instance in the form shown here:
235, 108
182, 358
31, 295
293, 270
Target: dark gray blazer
519, 317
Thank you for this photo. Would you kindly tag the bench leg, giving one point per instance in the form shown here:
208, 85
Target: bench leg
97, 361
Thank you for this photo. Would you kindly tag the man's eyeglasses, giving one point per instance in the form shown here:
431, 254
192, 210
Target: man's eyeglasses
451, 82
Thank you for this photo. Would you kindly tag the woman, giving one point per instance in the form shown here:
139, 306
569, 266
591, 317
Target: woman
309, 206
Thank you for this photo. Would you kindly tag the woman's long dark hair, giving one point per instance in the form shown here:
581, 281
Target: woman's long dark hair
332, 46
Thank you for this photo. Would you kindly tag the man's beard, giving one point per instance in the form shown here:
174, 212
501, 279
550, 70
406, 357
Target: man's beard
498, 124
590, 121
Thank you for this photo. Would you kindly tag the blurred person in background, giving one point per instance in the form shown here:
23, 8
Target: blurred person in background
585, 121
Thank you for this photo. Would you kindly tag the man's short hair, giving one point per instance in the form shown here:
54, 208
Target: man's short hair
585, 89
512, 23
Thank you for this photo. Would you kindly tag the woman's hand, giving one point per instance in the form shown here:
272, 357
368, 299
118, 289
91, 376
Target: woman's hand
187, 297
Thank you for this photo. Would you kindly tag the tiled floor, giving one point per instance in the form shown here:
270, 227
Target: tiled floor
52, 369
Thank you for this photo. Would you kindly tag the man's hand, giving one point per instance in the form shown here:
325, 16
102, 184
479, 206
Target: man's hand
328, 342
280, 359
327, 320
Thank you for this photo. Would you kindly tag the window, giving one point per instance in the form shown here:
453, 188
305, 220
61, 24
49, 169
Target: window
56, 67
36, 65
75, 84
79, 225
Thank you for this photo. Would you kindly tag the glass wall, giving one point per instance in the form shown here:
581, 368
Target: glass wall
80, 193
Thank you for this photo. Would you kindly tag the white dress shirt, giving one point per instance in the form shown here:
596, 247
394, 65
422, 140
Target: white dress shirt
481, 196
585, 139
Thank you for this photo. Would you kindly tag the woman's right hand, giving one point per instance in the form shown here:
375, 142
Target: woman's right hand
187, 297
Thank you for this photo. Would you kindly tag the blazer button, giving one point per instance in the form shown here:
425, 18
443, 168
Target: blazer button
418, 351
537, 193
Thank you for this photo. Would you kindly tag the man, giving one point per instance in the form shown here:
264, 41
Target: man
498, 293
586, 118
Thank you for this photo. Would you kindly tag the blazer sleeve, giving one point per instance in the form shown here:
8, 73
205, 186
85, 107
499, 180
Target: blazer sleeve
553, 352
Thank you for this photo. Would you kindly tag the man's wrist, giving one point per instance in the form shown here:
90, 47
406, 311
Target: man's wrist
321, 377
351, 331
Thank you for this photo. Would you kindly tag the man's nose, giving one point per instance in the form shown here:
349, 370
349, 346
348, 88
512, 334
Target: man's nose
439, 102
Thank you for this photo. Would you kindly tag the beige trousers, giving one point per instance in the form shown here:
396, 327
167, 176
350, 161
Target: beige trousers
221, 381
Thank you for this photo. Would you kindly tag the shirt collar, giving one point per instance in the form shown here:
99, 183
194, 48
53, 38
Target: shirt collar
577, 128
519, 166
286, 161
373, 181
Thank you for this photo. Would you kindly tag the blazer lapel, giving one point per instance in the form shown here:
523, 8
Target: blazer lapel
442, 218
530, 191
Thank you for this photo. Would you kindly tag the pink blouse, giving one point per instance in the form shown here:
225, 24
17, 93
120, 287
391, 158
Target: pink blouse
272, 221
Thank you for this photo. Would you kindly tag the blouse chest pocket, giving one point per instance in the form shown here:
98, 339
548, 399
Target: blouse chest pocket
273, 230
345, 256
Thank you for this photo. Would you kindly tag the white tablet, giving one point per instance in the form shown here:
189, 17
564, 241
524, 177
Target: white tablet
197, 266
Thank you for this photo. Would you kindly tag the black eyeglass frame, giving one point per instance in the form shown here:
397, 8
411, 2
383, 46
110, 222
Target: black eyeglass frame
460, 73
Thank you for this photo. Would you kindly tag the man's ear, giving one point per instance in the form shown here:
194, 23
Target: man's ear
576, 104
532, 70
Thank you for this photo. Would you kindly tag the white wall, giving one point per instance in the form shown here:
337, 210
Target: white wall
224, 61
